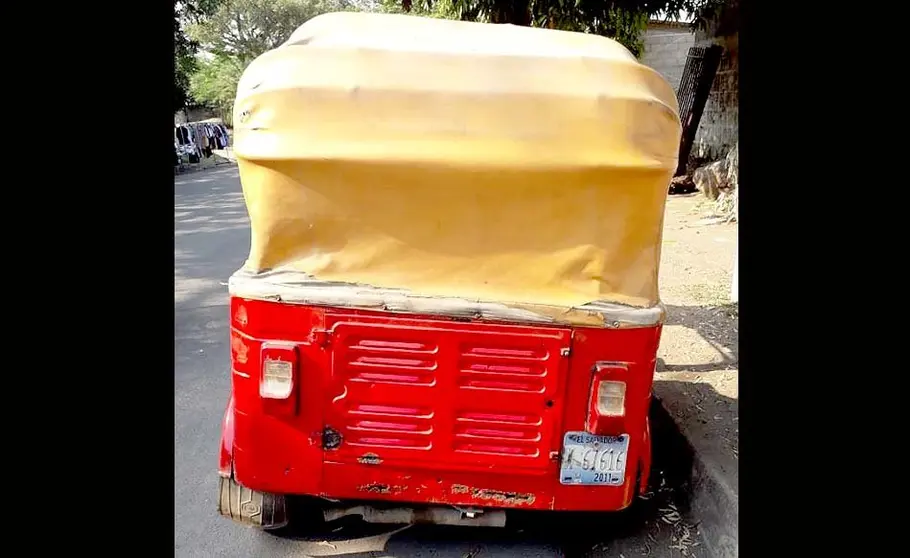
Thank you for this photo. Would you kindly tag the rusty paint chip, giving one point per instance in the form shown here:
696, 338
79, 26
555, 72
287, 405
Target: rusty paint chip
376, 487
369, 459
499, 496
382, 488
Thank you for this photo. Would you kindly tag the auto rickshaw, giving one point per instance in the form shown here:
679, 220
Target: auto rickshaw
450, 307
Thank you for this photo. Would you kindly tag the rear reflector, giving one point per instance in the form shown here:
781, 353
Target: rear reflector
611, 398
607, 402
279, 366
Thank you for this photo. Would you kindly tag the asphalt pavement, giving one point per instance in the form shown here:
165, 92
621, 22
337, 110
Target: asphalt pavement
211, 240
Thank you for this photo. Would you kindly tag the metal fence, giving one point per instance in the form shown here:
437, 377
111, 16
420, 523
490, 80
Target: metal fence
694, 88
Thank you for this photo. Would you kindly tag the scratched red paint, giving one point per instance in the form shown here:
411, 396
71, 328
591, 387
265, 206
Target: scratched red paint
430, 410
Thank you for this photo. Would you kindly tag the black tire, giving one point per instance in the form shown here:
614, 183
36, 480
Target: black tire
262, 510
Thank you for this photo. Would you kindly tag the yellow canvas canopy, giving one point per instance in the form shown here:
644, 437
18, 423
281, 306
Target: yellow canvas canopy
442, 160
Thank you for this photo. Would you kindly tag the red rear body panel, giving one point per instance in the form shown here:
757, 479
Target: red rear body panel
428, 410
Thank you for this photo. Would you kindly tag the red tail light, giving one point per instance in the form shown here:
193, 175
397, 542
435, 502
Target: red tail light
607, 401
279, 376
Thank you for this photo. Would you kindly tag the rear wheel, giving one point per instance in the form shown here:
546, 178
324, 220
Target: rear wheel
251, 507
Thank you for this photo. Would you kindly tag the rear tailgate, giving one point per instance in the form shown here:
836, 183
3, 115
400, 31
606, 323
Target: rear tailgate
439, 394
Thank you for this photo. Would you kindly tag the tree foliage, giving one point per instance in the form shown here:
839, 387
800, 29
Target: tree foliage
185, 49
236, 32
184, 65
623, 20
184, 60
244, 29
215, 81
442, 9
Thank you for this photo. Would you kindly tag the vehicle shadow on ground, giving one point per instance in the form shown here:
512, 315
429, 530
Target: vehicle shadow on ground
716, 325
710, 422
638, 529
709, 419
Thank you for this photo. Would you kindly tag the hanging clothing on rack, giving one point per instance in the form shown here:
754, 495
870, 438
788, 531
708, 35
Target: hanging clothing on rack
199, 137
195, 140
182, 135
216, 137
224, 134
207, 144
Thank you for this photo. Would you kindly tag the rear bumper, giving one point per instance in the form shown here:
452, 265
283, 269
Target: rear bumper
277, 463
429, 410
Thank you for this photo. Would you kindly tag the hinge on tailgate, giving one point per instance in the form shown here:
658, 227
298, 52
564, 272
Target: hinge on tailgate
566, 351
321, 337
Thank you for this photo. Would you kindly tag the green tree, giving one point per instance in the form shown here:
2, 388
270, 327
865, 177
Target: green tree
235, 33
442, 9
185, 49
244, 29
214, 82
184, 65
623, 20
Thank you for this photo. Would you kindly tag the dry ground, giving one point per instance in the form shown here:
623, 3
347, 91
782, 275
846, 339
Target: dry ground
696, 376
699, 354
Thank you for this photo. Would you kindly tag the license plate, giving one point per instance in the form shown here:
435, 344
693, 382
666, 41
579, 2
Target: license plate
593, 460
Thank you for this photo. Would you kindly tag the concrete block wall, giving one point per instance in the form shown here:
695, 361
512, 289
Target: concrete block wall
666, 47
718, 130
